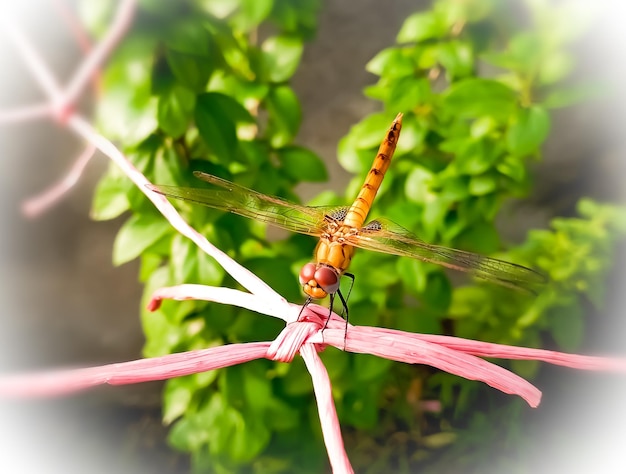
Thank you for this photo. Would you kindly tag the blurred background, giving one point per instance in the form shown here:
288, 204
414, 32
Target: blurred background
66, 305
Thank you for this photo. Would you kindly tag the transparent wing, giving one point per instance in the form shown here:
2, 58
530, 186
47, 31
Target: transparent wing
385, 236
233, 198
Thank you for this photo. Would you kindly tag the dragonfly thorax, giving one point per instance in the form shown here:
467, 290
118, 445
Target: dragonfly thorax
319, 280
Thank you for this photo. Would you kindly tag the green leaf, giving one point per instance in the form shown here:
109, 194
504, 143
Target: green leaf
556, 67
569, 96
284, 115
481, 237
110, 200
257, 387
418, 321
414, 132
296, 382
414, 273
477, 156
188, 54
526, 368
198, 428
377, 91
349, 155
427, 56
276, 272
524, 53
302, 164
455, 188
438, 293
513, 167
407, 93
242, 90
567, 326
137, 234
280, 415
254, 153
167, 165
297, 17
190, 70
529, 131
359, 405
472, 302
182, 261
482, 184
457, 57
162, 334
251, 436
251, 13
417, 185
478, 97
127, 110
231, 383
175, 110
190, 37
176, 398
391, 63
281, 56
209, 271
220, 8
216, 117
421, 26
149, 263
370, 131
368, 367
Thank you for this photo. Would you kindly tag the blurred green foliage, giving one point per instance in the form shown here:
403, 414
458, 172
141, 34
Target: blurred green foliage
204, 85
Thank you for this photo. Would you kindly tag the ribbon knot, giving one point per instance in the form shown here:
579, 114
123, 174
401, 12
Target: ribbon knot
295, 334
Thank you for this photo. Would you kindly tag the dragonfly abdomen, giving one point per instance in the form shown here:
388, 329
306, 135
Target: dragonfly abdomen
360, 208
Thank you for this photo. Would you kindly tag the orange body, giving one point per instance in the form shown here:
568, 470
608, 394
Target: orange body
332, 249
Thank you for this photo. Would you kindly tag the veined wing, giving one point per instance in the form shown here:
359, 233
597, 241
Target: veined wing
233, 198
385, 236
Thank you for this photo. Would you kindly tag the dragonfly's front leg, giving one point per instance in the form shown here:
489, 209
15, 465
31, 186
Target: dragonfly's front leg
344, 302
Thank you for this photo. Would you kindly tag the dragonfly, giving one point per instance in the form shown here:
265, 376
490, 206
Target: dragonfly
341, 230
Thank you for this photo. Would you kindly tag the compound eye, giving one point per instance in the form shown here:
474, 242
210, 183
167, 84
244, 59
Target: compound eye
327, 279
307, 273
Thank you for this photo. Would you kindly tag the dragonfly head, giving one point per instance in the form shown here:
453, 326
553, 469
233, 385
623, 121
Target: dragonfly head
319, 280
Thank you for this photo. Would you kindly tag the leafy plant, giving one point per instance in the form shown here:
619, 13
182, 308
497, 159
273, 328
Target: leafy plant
476, 89
203, 85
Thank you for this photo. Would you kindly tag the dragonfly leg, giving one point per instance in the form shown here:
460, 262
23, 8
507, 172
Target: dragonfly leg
330, 310
344, 302
306, 303
351, 277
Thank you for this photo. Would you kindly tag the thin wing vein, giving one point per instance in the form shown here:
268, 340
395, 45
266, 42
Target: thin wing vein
385, 236
248, 203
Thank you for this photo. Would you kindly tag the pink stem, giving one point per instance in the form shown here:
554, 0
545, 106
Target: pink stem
35, 63
487, 349
279, 309
89, 66
331, 429
75, 27
143, 370
36, 205
28, 112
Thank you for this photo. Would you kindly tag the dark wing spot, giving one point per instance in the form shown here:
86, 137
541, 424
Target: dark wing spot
340, 214
373, 226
